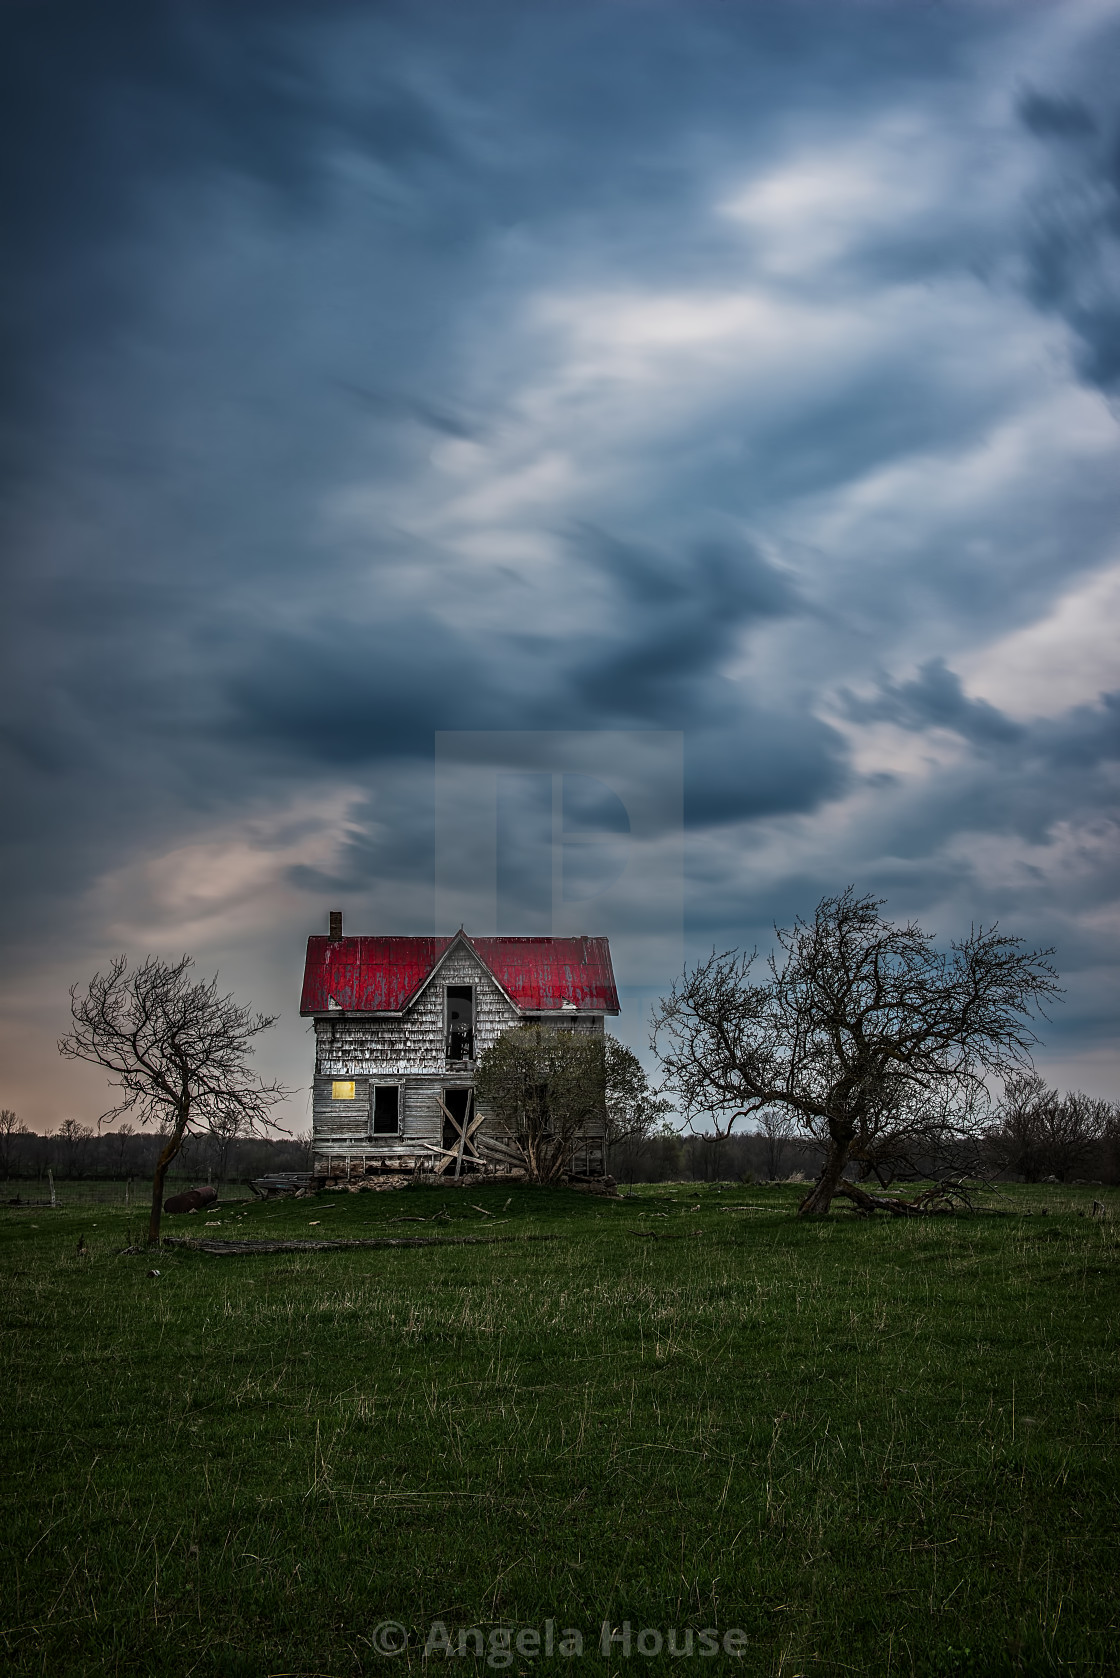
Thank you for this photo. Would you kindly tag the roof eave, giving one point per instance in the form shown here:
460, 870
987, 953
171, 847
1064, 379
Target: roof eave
351, 1013
570, 1013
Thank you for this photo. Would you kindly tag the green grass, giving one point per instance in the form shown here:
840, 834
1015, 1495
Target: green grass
882, 1448
71, 1192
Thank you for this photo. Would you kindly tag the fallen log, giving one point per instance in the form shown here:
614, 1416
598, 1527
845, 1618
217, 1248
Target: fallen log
942, 1199
663, 1235
298, 1245
868, 1203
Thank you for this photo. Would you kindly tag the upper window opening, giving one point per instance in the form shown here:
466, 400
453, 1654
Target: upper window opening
460, 1022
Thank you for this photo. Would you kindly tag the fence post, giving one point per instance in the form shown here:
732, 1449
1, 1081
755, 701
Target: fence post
50, 1180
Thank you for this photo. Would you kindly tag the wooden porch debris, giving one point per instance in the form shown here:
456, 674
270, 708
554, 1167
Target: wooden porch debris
280, 1183
465, 1132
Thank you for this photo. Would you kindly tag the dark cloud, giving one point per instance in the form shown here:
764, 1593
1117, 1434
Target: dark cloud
1062, 119
373, 370
1074, 247
1087, 737
1082, 738
1022, 778
1029, 780
762, 764
656, 655
345, 693
936, 699
360, 694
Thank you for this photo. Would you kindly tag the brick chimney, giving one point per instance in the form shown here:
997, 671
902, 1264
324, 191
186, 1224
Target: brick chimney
336, 925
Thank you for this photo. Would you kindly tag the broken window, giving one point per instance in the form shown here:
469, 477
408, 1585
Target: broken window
460, 1022
342, 1089
386, 1109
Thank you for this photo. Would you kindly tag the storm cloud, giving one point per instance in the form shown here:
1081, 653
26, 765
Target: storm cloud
376, 370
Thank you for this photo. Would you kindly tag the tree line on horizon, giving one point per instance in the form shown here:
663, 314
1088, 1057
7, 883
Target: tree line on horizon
1035, 1134
76, 1151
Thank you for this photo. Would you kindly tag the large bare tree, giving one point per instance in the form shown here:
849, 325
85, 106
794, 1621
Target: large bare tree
877, 1043
175, 1048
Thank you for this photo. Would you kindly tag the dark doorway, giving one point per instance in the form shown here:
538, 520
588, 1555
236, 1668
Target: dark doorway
457, 1103
386, 1109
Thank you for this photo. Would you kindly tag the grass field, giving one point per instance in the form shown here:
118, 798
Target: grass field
849, 1447
135, 1192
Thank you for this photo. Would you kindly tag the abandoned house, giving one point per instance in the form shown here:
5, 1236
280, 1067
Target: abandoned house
400, 1024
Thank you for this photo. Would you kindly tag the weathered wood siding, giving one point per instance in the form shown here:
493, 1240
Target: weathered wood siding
347, 1045
409, 1051
347, 1120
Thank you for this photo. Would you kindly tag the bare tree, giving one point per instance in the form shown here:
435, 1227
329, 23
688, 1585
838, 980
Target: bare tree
860, 1029
551, 1088
1015, 1139
1110, 1145
777, 1125
122, 1136
10, 1128
72, 1138
175, 1048
705, 1155
1038, 1133
223, 1131
1076, 1127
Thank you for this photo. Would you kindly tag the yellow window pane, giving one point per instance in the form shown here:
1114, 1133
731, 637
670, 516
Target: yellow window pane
342, 1089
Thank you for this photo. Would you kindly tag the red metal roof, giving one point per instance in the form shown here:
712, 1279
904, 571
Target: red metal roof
547, 972
381, 975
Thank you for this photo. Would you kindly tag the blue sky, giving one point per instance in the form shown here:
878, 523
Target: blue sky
743, 369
